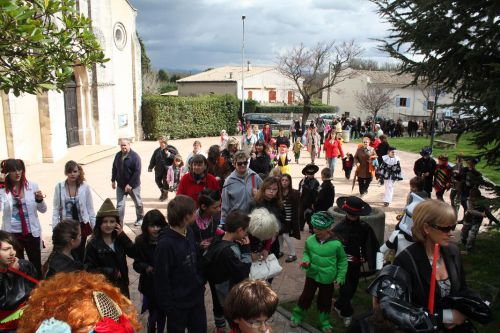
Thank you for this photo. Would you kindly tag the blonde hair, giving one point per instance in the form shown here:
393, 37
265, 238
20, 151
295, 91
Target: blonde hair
431, 212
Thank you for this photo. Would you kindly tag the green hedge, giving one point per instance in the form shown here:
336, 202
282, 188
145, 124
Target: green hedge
296, 109
188, 117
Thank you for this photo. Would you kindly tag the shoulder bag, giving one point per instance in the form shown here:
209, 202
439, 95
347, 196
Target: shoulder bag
265, 269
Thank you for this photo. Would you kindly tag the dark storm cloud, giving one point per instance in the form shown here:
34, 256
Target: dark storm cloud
198, 34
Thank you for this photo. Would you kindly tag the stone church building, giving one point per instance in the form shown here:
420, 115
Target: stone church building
98, 105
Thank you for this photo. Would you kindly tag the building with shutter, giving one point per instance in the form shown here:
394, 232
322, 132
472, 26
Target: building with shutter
263, 84
410, 102
98, 105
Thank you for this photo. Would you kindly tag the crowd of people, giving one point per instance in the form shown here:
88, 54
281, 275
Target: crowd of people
235, 207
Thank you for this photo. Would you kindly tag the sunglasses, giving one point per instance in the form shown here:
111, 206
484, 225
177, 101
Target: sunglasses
242, 163
446, 229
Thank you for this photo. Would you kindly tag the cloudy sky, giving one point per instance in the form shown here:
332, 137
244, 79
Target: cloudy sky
197, 34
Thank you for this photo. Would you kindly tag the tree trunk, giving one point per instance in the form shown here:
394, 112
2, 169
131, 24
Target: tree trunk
307, 111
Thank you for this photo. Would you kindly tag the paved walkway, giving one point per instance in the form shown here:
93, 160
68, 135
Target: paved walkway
98, 174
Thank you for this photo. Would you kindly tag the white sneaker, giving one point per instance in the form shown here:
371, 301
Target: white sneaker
347, 321
138, 223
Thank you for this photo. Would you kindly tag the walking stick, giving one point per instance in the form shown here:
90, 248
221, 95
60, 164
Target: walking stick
432, 288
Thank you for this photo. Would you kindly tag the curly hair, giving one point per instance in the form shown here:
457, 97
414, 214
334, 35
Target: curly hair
68, 297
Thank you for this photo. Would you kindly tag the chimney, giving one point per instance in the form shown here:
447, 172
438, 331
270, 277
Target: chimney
230, 75
248, 66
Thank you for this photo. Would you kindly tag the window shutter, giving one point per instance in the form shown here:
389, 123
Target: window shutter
397, 101
424, 106
407, 102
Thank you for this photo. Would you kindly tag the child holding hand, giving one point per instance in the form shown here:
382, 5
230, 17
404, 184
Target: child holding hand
325, 263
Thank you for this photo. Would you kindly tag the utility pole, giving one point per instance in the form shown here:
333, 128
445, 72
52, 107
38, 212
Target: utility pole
243, 68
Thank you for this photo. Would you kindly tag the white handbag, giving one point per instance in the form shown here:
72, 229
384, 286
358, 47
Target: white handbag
265, 269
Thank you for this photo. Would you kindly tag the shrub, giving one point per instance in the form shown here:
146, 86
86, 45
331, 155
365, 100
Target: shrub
188, 117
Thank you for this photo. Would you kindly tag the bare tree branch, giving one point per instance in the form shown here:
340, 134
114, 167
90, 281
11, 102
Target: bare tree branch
373, 99
317, 68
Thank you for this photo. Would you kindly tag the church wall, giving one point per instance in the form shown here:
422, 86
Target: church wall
26, 128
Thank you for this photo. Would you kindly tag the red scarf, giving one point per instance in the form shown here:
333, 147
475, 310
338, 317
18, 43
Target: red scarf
24, 224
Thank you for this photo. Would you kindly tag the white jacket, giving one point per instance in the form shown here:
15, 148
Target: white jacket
84, 203
6, 202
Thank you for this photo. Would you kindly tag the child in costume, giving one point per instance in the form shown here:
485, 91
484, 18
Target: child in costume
308, 188
145, 245
282, 160
297, 146
390, 172
347, 163
360, 245
107, 250
78, 302
17, 279
442, 177
326, 192
477, 210
325, 263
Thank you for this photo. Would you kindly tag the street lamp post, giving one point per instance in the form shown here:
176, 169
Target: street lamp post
243, 68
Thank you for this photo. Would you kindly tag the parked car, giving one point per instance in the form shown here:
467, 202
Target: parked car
328, 117
259, 119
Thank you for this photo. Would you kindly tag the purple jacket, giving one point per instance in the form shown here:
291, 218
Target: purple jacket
129, 172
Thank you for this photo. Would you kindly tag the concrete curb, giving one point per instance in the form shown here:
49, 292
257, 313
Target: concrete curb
305, 326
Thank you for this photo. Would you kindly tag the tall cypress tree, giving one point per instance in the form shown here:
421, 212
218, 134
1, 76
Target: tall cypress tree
457, 47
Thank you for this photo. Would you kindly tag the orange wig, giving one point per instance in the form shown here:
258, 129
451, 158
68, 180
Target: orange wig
68, 297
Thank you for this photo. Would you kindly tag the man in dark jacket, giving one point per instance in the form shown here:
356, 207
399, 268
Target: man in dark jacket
162, 158
424, 167
126, 179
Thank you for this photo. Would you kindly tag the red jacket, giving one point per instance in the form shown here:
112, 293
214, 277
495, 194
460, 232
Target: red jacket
189, 187
333, 149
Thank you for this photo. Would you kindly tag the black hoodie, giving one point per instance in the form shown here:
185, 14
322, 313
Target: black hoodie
178, 280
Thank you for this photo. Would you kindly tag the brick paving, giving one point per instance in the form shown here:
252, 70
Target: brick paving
98, 174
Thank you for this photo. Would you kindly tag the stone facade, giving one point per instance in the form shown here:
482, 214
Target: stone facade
410, 101
99, 104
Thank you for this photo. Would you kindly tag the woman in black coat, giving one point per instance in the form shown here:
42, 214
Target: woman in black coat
109, 247
433, 223
291, 224
260, 161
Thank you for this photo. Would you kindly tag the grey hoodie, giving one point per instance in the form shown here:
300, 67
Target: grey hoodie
237, 192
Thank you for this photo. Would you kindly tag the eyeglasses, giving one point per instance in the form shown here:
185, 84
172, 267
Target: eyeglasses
446, 229
257, 323
242, 163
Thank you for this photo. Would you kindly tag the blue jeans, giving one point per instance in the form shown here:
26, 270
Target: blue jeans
332, 162
135, 194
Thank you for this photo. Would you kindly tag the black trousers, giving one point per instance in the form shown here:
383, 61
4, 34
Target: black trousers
193, 319
364, 183
32, 246
219, 319
325, 294
348, 289
161, 181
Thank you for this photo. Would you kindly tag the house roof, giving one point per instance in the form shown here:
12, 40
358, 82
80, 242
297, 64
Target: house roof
226, 74
387, 77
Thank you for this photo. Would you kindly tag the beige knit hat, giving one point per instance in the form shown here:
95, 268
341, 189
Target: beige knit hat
108, 209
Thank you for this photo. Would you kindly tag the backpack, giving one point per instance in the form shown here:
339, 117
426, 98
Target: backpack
209, 261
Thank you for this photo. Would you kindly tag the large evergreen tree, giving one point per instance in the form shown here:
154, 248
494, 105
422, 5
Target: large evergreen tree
453, 44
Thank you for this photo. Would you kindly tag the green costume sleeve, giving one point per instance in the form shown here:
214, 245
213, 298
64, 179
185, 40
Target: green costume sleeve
306, 257
341, 265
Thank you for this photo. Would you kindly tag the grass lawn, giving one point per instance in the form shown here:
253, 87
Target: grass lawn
464, 146
482, 277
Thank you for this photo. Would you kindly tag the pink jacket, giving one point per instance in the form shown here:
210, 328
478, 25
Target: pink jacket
170, 175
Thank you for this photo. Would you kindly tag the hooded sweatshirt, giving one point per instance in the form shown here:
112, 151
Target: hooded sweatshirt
178, 280
237, 192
